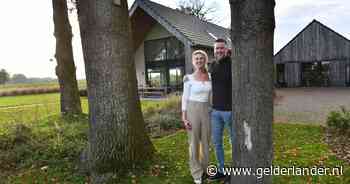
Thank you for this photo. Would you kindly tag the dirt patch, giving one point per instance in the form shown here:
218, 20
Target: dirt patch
339, 143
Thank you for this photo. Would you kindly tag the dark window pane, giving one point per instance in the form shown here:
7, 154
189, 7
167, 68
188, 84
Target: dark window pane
164, 49
155, 50
174, 49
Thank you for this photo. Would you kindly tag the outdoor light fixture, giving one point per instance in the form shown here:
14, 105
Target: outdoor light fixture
116, 2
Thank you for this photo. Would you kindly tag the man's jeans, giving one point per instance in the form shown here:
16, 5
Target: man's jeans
220, 119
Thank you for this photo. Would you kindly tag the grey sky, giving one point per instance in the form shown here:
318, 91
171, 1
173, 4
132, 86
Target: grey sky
27, 42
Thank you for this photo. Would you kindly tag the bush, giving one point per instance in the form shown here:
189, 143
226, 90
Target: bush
339, 120
29, 91
166, 121
54, 142
163, 116
15, 146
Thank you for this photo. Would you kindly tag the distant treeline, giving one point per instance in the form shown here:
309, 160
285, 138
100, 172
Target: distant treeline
31, 80
6, 78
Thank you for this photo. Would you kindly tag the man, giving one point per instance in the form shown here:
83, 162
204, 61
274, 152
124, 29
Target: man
221, 115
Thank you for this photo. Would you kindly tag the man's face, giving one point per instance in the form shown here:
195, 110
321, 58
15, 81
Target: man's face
219, 50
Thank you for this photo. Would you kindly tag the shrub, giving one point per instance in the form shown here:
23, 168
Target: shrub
54, 141
29, 91
339, 120
166, 121
3, 93
165, 115
14, 93
15, 146
40, 90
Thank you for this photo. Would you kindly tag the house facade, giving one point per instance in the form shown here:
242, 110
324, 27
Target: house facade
164, 39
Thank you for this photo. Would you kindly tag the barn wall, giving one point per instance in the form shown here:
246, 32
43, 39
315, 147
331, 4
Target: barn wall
337, 75
348, 73
292, 72
315, 43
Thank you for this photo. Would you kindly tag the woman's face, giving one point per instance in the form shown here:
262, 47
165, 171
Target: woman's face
198, 61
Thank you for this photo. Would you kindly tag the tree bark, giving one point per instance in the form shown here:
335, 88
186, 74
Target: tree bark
252, 23
118, 140
65, 69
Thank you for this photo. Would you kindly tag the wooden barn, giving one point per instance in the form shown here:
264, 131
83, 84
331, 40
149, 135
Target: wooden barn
317, 56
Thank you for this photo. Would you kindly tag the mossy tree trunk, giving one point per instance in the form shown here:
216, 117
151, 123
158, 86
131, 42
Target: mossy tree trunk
252, 32
65, 69
117, 139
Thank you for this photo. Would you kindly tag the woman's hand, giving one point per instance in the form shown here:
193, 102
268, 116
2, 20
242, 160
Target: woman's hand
187, 124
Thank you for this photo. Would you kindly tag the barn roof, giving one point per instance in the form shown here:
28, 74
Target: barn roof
187, 28
316, 42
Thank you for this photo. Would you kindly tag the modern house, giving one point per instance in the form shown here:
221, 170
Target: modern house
164, 39
317, 56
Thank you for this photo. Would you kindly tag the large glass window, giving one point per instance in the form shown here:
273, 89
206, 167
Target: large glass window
163, 49
165, 62
156, 77
176, 75
175, 49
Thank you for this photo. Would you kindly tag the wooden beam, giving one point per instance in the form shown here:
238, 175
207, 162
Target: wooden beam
188, 59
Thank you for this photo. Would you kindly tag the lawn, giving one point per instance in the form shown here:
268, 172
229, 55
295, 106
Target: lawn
53, 145
34, 107
11, 87
45, 149
12, 101
30, 108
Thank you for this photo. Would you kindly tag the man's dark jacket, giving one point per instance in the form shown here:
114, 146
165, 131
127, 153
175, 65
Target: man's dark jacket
221, 73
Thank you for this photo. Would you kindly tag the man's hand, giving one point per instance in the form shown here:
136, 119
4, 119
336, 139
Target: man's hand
228, 52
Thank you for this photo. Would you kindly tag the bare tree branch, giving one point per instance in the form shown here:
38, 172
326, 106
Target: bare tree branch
198, 8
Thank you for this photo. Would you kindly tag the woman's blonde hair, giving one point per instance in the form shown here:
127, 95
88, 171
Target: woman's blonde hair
201, 52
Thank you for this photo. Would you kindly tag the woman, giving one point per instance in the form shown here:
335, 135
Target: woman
195, 114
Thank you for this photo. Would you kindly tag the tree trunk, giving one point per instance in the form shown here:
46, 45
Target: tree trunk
253, 24
118, 138
65, 69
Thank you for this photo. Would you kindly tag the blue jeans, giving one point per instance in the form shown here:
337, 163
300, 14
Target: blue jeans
220, 119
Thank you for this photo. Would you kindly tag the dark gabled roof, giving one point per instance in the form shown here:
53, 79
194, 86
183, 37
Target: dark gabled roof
190, 28
315, 42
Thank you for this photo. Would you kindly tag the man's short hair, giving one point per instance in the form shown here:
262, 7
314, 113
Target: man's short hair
220, 40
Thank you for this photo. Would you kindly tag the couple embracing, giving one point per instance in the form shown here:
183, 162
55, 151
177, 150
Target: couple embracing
204, 90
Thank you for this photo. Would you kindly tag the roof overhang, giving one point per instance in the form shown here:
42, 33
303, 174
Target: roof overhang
142, 4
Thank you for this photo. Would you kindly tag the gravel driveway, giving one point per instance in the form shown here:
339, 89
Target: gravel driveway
309, 105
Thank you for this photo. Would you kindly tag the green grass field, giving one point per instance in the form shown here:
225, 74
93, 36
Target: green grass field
13, 101
39, 146
34, 107
29, 108
12, 87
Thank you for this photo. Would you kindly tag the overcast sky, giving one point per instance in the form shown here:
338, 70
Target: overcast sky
27, 43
